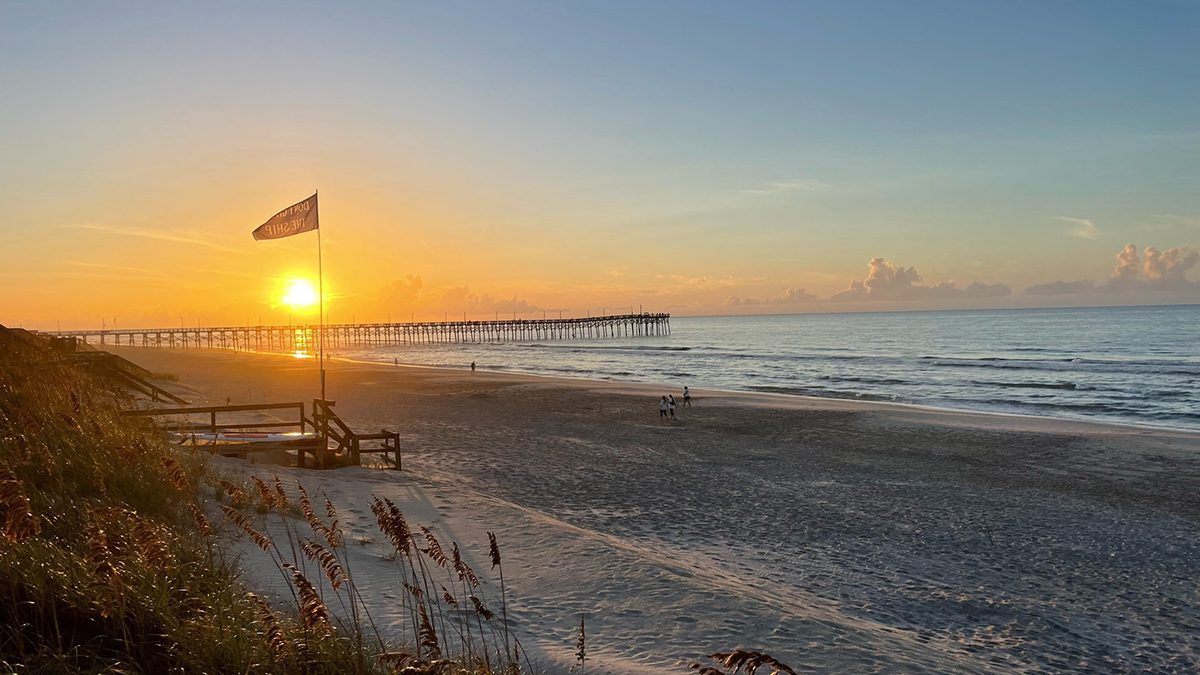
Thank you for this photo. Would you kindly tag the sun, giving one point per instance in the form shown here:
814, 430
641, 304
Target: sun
300, 293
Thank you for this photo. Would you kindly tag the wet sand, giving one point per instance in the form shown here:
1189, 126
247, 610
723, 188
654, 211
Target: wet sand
835, 535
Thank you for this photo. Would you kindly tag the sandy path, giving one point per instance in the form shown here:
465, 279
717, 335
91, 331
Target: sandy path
836, 535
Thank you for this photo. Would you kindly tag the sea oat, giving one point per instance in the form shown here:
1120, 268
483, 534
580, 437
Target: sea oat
751, 661
331, 535
176, 473
281, 498
151, 542
15, 511
391, 522
202, 525
428, 635
481, 608
260, 539
434, 548
464, 570
313, 613
271, 630
327, 560
236, 494
264, 493
493, 550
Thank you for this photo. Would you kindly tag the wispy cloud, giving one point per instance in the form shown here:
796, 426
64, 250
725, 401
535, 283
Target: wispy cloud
780, 187
160, 235
228, 273
103, 266
1084, 228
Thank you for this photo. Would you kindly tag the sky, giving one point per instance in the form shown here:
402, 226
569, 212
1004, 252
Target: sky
484, 159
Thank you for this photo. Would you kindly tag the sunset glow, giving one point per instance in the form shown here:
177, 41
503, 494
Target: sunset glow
301, 294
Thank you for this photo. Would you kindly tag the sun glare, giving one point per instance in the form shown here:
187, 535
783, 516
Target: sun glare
300, 293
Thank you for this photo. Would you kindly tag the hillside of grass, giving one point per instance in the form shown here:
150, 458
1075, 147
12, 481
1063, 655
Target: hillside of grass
107, 561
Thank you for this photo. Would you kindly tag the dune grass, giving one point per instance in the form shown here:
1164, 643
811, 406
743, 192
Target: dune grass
107, 561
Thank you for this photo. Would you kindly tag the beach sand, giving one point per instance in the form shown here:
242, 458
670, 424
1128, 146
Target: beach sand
835, 535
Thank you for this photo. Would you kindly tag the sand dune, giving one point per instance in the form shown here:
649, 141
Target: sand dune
835, 535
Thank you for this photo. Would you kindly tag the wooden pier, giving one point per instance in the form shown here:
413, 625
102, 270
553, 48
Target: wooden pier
305, 338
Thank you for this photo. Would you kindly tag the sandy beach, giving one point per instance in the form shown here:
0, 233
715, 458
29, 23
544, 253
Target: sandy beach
835, 535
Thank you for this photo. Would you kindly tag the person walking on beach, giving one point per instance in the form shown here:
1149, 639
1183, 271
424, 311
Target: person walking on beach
662, 408
671, 405
687, 397
472, 366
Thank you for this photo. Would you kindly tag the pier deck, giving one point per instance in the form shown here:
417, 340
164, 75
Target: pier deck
305, 337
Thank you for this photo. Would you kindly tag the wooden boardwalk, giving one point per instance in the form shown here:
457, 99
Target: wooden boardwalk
305, 338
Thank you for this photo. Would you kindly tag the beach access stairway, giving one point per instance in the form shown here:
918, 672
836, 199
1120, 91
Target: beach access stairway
106, 365
327, 441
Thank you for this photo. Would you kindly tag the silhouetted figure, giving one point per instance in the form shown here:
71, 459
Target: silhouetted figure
472, 366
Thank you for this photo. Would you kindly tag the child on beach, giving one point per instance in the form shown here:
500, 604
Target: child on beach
662, 408
671, 405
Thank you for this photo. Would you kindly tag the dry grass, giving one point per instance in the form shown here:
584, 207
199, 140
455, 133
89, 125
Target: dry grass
108, 561
736, 660
448, 632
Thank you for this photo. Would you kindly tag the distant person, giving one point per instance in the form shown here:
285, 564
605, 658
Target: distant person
396, 362
472, 366
687, 397
671, 405
662, 408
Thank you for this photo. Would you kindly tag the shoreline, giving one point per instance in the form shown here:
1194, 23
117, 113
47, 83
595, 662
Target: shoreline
734, 395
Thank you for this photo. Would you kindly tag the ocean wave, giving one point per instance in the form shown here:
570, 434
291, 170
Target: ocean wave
1030, 385
864, 380
822, 393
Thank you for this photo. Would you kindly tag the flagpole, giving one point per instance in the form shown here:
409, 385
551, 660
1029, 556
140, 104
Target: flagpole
320, 303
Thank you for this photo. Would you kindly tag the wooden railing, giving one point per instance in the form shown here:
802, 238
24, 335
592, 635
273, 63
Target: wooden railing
213, 410
324, 423
348, 440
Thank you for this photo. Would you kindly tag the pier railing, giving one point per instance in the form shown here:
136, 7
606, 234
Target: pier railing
306, 337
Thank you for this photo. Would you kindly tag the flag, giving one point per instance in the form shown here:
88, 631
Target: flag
297, 218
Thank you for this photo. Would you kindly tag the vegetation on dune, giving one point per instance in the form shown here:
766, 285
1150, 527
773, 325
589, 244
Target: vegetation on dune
107, 561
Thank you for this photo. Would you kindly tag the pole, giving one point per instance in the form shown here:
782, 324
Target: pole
320, 304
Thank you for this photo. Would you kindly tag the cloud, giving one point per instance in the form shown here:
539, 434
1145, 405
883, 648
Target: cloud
160, 235
783, 186
1084, 228
791, 296
1168, 267
1162, 270
1127, 264
683, 281
402, 292
1061, 287
461, 299
1151, 270
887, 281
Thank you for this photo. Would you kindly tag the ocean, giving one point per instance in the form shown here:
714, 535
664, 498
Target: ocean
1138, 365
